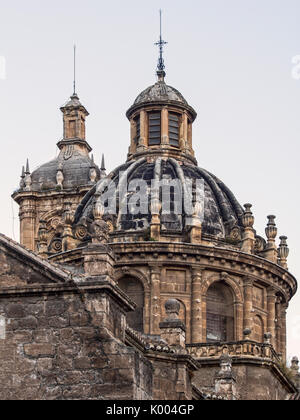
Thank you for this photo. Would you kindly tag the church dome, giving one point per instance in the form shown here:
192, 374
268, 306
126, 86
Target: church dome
161, 93
74, 166
221, 211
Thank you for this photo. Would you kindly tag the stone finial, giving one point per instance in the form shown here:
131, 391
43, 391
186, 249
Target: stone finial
43, 239
99, 228
295, 364
68, 214
22, 183
271, 231
27, 172
225, 382
98, 209
283, 252
248, 240
267, 338
173, 329
27, 179
248, 218
103, 169
60, 176
226, 367
247, 332
93, 172
172, 307
270, 251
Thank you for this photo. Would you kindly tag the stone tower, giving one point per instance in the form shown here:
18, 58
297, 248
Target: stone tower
48, 193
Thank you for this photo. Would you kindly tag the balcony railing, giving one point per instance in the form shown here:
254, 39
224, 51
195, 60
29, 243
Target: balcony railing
239, 349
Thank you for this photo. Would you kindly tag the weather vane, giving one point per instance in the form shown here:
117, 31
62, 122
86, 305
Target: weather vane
161, 43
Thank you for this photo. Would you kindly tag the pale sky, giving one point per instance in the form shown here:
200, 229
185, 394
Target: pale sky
232, 60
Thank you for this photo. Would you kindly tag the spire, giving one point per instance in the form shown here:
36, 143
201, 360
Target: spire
27, 168
103, 169
103, 164
74, 82
161, 62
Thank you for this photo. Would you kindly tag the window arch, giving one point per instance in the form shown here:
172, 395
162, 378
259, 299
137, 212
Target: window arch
134, 289
219, 313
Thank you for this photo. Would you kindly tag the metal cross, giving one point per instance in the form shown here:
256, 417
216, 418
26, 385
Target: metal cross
160, 44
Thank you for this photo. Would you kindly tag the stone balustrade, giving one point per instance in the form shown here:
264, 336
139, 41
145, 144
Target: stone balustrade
240, 349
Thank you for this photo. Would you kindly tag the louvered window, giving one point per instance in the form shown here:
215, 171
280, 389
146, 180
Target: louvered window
174, 124
138, 129
154, 128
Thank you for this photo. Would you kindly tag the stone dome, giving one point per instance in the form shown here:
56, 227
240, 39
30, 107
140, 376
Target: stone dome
161, 93
75, 168
222, 212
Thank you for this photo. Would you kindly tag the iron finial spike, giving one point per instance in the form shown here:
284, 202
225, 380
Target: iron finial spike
74, 82
161, 43
27, 167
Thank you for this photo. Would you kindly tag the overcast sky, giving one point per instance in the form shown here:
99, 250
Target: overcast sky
232, 60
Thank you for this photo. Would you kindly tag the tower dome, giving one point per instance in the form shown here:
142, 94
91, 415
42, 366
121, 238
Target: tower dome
161, 157
220, 213
73, 167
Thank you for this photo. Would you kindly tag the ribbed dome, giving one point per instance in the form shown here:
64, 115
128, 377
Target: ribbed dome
75, 169
163, 94
222, 212
160, 92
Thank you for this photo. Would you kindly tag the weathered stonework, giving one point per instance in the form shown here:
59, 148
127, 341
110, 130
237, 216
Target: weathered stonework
141, 306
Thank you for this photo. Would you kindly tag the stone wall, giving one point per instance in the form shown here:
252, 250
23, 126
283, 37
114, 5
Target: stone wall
254, 381
68, 346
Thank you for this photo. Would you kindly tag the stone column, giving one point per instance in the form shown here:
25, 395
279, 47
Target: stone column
238, 307
143, 143
196, 336
184, 133
271, 302
132, 148
248, 305
27, 224
190, 135
283, 341
278, 325
165, 126
155, 299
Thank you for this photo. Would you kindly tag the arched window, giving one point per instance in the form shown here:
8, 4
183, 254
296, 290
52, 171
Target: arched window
219, 313
135, 290
258, 333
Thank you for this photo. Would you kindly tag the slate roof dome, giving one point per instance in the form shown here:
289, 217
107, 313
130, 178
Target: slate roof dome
74, 166
161, 93
222, 212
